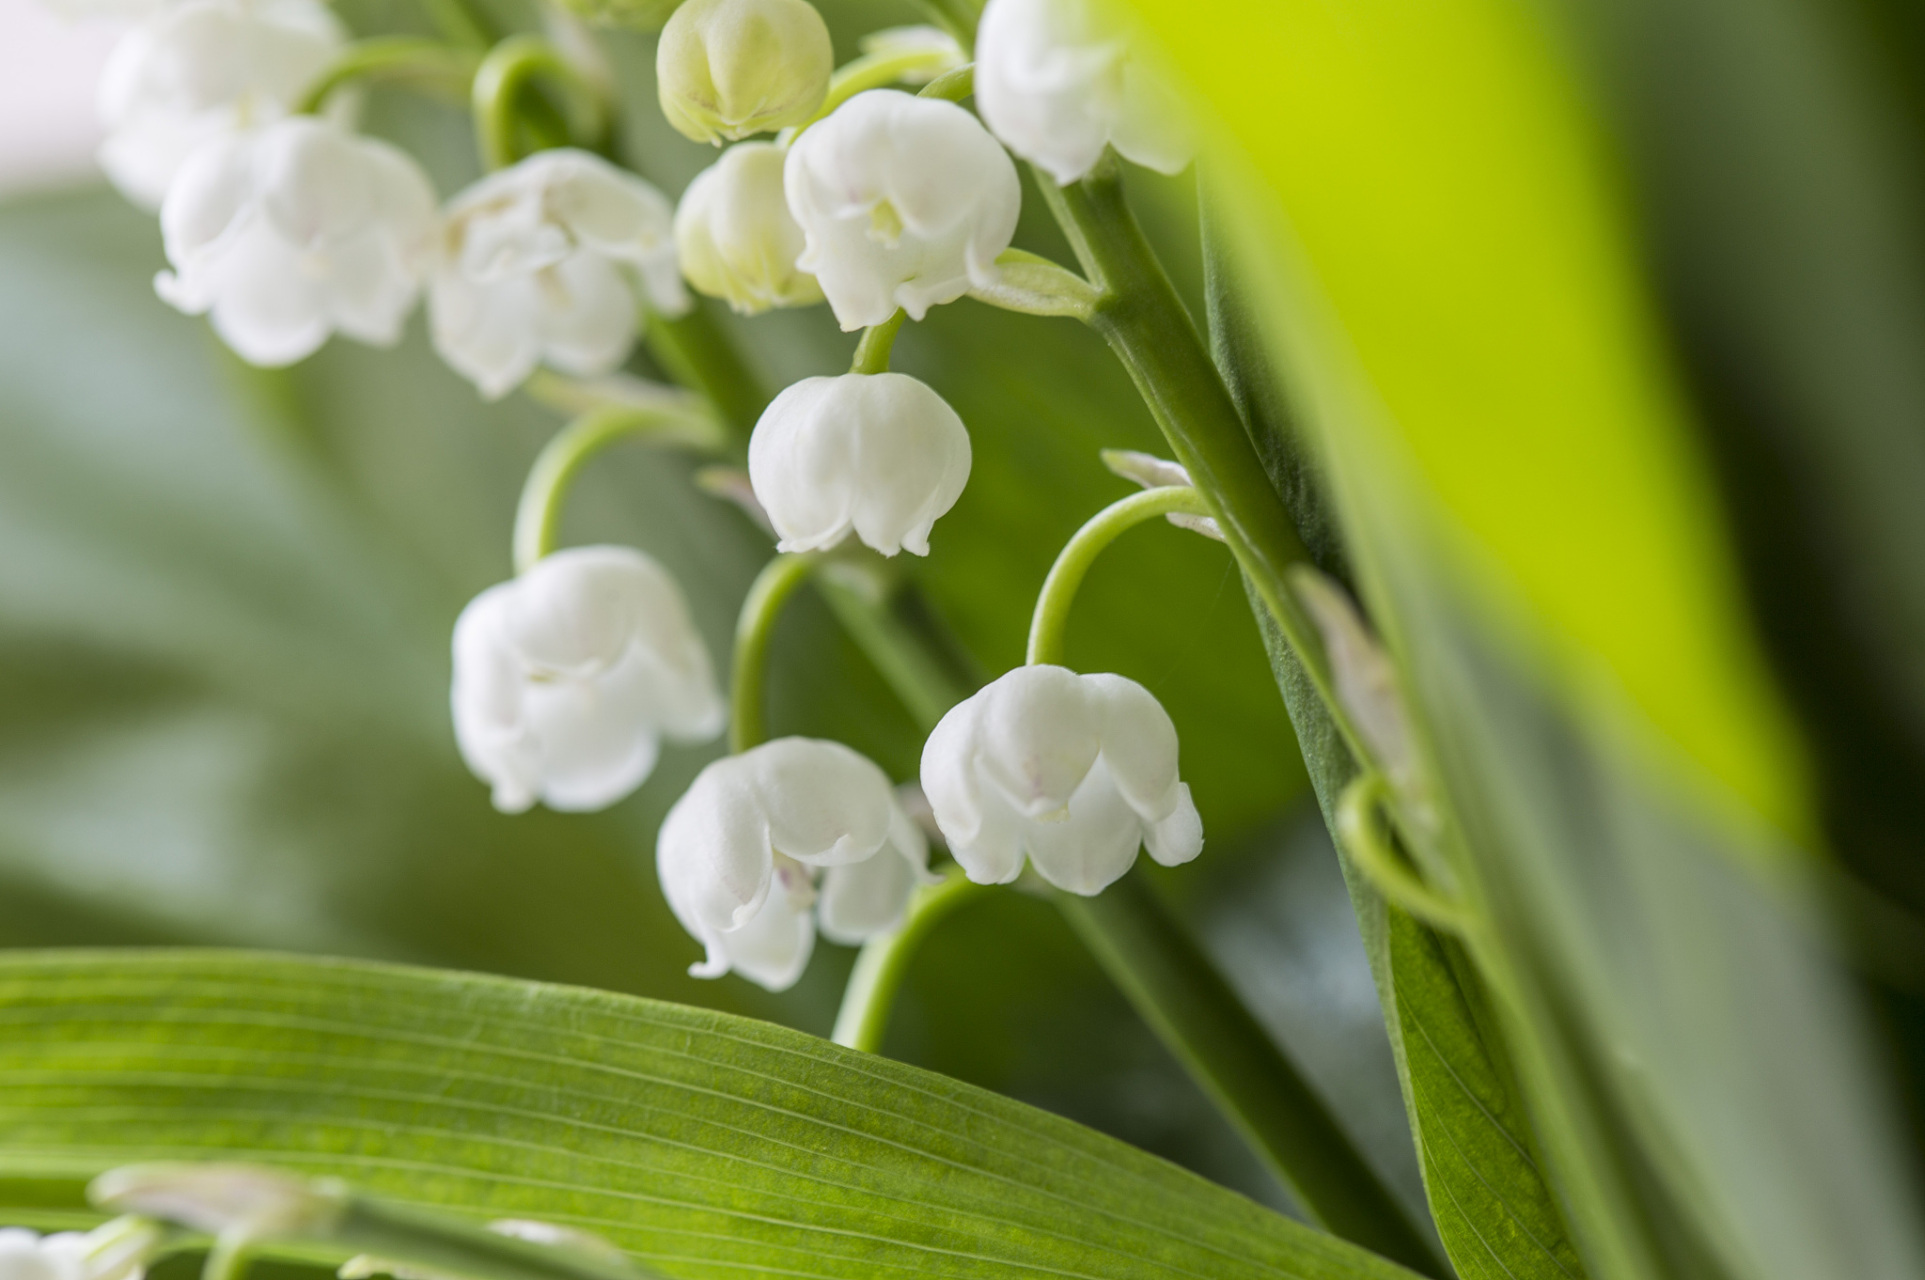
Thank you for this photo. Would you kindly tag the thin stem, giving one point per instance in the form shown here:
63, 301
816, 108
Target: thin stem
460, 23
878, 340
884, 961
872, 71
678, 420
500, 81
1036, 286
1050, 622
402, 58
1146, 325
957, 17
695, 351
228, 1259
1365, 834
748, 720
1195, 1012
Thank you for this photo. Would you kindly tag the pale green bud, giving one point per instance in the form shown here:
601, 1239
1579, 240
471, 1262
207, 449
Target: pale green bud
735, 236
727, 69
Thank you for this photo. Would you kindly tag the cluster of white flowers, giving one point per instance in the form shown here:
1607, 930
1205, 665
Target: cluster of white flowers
285, 226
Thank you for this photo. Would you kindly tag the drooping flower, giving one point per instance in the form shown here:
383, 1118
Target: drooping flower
740, 853
880, 455
735, 236
197, 72
116, 1250
726, 69
288, 234
567, 678
903, 202
1076, 771
545, 262
1059, 80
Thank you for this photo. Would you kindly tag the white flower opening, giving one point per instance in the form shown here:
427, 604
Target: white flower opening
1074, 771
735, 236
878, 455
567, 678
1060, 80
202, 71
542, 263
289, 234
903, 202
740, 855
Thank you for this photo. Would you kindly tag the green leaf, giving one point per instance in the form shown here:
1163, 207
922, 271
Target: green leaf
701, 1143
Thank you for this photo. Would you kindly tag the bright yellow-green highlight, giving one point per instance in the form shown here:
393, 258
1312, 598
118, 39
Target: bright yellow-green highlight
1437, 182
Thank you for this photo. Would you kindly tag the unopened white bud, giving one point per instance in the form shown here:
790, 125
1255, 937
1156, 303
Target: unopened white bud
299, 230
1060, 80
735, 236
1076, 771
543, 261
201, 71
726, 69
567, 678
904, 202
878, 455
740, 852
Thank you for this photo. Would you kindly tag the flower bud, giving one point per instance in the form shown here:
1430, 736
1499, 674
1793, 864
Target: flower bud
903, 202
1076, 771
726, 69
878, 454
1059, 80
540, 263
567, 678
200, 72
290, 233
735, 236
739, 854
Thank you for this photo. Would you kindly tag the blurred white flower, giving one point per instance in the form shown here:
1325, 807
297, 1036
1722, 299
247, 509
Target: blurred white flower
287, 234
201, 71
725, 69
28, 1255
735, 236
879, 454
739, 853
567, 677
540, 262
1075, 770
1059, 80
903, 202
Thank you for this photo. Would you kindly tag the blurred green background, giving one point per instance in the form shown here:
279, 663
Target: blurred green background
225, 602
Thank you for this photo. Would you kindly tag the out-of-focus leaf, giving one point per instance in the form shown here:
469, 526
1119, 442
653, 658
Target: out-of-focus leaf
1443, 264
701, 1143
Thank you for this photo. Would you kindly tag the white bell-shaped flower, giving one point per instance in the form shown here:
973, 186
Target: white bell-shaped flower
726, 69
296, 231
28, 1255
567, 678
1074, 770
197, 72
735, 236
740, 853
1059, 80
903, 202
877, 454
542, 261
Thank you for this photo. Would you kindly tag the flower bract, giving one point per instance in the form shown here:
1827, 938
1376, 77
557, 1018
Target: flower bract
1060, 80
197, 72
735, 237
726, 69
878, 455
542, 262
288, 234
904, 202
740, 853
567, 678
1076, 771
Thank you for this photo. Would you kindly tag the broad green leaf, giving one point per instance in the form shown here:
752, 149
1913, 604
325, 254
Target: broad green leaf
1449, 279
702, 1143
